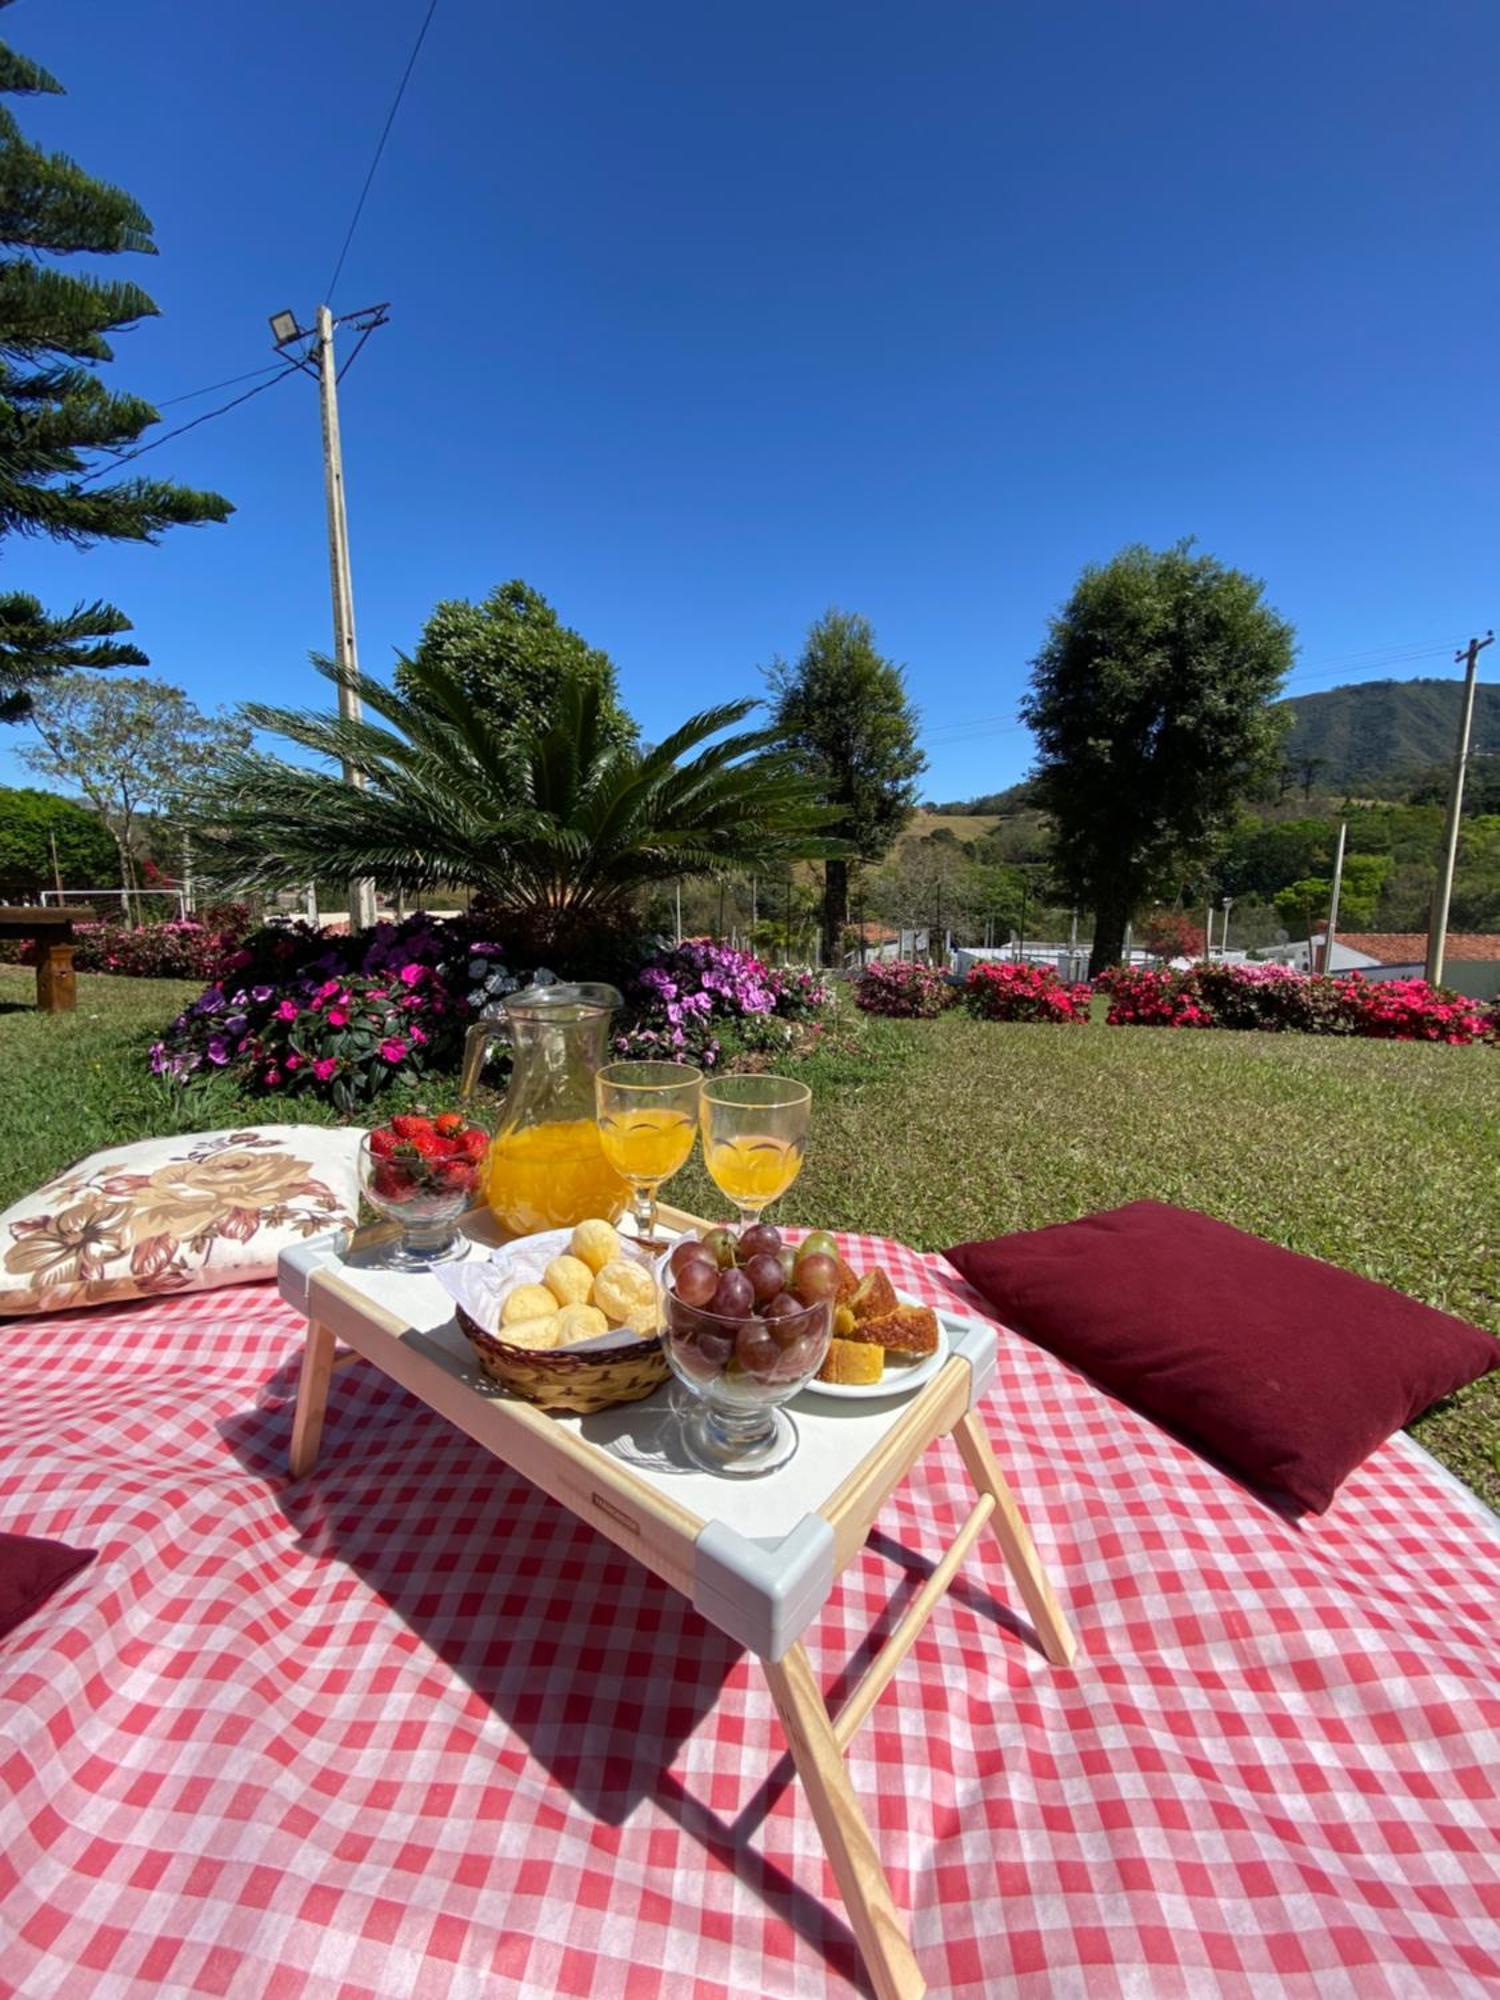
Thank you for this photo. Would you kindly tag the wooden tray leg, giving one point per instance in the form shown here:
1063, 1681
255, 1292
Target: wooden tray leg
312, 1399
851, 1850
1016, 1545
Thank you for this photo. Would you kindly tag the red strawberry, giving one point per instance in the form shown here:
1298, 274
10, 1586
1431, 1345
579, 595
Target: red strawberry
475, 1142
426, 1144
393, 1183
408, 1124
448, 1124
383, 1142
454, 1174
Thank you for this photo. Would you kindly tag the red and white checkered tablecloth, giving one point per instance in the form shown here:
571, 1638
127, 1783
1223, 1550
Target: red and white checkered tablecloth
409, 1729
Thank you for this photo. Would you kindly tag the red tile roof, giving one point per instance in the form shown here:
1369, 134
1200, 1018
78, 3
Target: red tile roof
1406, 947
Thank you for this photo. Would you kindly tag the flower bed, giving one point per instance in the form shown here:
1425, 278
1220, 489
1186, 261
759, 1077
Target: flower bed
176, 950
903, 990
1024, 993
697, 1002
294, 1008
1273, 999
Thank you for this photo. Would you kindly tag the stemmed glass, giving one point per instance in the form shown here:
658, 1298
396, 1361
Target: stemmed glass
754, 1137
647, 1124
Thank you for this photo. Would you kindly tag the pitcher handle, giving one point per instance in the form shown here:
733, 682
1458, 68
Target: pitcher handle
476, 1050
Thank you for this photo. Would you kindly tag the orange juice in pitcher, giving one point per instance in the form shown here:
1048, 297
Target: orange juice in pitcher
546, 1167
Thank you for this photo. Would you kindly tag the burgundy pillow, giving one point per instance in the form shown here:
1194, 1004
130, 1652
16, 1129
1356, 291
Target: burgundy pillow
30, 1570
1286, 1370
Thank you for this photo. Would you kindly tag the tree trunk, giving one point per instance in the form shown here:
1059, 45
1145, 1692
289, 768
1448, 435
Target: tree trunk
835, 909
1111, 917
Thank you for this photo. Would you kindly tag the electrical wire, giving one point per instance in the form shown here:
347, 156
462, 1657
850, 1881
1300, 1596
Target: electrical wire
124, 457
166, 402
411, 63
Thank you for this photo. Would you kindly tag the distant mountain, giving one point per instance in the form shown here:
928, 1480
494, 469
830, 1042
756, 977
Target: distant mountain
1384, 731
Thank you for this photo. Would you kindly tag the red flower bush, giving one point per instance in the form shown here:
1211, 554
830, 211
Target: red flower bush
1024, 993
903, 990
176, 950
1273, 999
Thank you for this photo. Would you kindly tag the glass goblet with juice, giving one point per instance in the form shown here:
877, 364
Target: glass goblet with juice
647, 1124
754, 1137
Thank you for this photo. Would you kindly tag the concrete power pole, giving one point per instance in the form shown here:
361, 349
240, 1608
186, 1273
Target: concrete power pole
1437, 928
345, 650
1333, 900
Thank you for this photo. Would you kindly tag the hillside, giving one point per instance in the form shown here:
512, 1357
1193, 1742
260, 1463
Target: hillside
1384, 730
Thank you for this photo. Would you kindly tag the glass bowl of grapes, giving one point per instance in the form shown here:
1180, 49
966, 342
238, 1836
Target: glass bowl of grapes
746, 1323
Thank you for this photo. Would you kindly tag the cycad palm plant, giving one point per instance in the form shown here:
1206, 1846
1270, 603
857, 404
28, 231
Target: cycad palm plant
557, 826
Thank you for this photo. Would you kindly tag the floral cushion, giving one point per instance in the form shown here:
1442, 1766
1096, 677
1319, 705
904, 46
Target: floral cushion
172, 1215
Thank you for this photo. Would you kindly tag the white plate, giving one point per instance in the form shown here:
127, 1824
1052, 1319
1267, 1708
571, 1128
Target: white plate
900, 1377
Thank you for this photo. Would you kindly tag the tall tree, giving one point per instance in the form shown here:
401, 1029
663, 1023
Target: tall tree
513, 655
843, 711
55, 414
44, 837
1151, 703
129, 745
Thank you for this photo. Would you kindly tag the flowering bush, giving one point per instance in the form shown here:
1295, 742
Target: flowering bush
903, 990
1170, 934
295, 1008
688, 999
1275, 999
181, 949
996, 992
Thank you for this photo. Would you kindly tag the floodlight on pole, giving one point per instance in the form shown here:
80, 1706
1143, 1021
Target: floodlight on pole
284, 328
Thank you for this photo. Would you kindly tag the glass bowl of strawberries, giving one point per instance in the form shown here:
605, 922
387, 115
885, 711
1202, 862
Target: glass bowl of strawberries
422, 1172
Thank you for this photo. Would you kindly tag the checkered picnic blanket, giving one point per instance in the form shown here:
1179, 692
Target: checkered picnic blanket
407, 1728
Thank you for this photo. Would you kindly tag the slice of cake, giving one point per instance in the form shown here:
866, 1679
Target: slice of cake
908, 1333
874, 1296
853, 1361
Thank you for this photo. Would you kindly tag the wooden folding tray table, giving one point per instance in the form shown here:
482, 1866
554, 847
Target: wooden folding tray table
758, 1557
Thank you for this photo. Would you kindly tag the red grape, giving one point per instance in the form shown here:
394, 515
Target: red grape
783, 1306
761, 1239
686, 1249
767, 1279
696, 1280
715, 1348
755, 1350
816, 1277
733, 1297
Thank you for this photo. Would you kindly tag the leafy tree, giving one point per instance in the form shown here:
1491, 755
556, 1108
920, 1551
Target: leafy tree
1151, 703
843, 711
128, 745
1172, 934
30, 822
560, 825
512, 655
54, 411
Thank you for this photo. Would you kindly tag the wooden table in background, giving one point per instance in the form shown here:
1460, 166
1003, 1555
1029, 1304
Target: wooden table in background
56, 985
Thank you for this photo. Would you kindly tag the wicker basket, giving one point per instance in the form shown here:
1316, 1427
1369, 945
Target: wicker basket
566, 1379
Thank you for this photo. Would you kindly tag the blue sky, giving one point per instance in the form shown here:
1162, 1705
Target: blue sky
704, 319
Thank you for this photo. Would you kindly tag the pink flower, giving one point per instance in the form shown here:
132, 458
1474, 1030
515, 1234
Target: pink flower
418, 1036
272, 1077
294, 1062
337, 1018
324, 1068
413, 975
393, 1049
287, 1011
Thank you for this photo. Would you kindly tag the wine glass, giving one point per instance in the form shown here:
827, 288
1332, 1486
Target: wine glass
754, 1136
647, 1115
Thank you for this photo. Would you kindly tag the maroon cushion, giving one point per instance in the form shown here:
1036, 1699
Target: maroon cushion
1286, 1370
30, 1570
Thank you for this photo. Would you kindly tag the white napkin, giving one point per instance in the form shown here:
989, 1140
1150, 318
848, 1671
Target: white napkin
482, 1284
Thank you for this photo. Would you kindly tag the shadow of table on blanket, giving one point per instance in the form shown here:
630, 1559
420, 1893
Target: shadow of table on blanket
602, 1670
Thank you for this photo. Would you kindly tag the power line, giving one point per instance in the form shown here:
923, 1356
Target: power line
411, 63
208, 416
166, 402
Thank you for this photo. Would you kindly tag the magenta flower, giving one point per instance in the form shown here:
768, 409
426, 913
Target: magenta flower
287, 1011
337, 1018
324, 1068
393, 1049
413, 975
293, 1061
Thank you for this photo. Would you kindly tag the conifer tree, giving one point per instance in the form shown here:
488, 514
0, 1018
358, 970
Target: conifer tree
56, 416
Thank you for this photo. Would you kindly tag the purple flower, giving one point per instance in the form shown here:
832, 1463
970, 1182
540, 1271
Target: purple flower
261, 994
217, 1051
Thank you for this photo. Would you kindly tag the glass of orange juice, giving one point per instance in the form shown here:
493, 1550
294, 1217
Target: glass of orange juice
648, 1120
754, 1136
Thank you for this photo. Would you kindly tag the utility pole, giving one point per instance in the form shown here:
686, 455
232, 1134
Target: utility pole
1333, 901
1437, 928
319, 360
56, 868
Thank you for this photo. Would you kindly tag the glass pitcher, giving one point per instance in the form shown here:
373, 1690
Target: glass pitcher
545, 1168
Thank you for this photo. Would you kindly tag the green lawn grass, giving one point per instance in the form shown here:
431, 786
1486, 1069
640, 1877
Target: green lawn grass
1381, 1156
